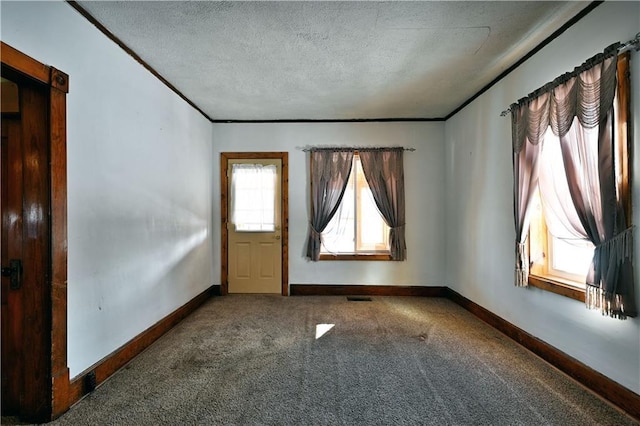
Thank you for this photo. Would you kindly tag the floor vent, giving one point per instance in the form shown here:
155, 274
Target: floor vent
358, 299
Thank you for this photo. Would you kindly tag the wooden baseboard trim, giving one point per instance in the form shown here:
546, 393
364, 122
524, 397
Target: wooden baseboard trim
365, 290
104, 368
622, 397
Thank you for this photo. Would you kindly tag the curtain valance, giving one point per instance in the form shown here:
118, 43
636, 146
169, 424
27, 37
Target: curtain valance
586, 96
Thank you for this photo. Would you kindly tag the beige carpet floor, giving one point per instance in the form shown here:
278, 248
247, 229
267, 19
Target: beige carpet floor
261, 360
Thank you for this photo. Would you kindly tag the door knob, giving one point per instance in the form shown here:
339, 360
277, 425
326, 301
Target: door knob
15, 272
277, 237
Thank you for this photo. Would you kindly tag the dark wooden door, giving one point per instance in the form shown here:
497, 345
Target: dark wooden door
11, 249
26, 302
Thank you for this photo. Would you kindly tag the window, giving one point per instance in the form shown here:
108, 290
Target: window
358, 232
559, 258
357, 228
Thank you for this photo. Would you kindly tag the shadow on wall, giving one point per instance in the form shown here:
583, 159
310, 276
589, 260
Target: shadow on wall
135, 236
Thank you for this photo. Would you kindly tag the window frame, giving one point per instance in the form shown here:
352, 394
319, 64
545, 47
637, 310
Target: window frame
384, 255
539, 278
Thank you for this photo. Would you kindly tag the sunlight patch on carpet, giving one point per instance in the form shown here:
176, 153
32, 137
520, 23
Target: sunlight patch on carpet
322, 329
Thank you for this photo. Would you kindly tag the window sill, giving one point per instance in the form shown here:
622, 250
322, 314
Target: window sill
373, 256
558, 287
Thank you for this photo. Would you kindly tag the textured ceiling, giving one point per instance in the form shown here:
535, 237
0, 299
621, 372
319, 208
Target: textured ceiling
330, 60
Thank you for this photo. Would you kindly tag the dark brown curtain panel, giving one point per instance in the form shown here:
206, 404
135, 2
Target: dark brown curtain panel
588, 156
579, 109
384, 171
526, 153
330, 170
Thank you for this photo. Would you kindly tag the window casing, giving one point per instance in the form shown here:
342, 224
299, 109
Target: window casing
357, 231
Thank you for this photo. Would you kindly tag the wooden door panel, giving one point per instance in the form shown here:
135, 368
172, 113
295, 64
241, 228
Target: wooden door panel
26, 313
11, 248
242, 260
267, 260
36, 344
255, 257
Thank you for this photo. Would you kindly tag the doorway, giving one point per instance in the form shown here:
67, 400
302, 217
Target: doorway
35, 376
254, 212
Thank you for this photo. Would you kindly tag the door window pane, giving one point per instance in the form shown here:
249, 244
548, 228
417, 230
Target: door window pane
253, 193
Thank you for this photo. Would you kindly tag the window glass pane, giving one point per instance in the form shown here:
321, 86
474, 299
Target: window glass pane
253, 191
371, 223
571, 257
339, 235
557, 249
373, 232
357, 226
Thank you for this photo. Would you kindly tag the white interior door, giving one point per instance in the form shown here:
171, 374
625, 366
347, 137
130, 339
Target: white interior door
254, 226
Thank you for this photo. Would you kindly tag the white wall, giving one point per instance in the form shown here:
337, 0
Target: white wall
139, 183
424, 181
479, 205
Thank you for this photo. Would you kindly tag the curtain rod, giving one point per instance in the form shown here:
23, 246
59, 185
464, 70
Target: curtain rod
352, 148
621, 48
